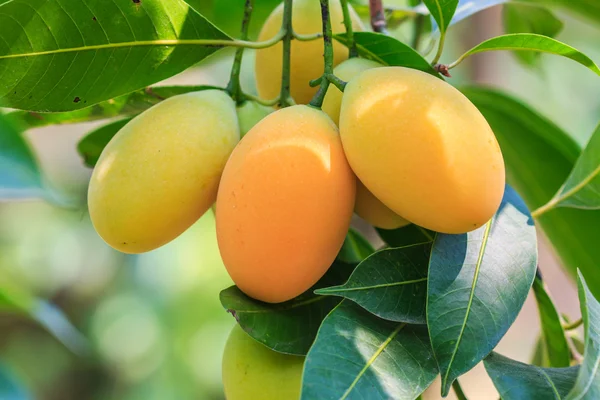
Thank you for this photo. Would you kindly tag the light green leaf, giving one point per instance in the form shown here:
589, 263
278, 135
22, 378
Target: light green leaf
442, 11
586, 8
63, 55
517, 381
478, 283
355, 248
539, 156
388, 51
19, 171
359, 356
391, 284
92, 145
587, 386
523, 18
554, 339
582, 187
530, 42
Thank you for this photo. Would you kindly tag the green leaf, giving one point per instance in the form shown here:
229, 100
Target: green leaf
355, 248
555, 341
586, 8
523, 18
288, 327
405, 236
582, 188
517, 381
63, 55
587, 385
10, 387
388, 51
539, 156
92, 145
391, 284
531, 42
478, 282
540, 354
359, 356
127, 105
19, 172
442, 11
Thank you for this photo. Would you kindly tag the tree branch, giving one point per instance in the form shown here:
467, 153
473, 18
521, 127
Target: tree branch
378, 22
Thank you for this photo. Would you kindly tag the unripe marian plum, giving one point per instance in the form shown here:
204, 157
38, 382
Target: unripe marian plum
284, 204
422, 148
367, 206
252, 371
161, 171
306, 57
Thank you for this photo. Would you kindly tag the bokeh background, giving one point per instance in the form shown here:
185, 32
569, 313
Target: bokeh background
151, 326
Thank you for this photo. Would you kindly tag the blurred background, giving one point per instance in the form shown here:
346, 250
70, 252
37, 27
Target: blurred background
152, 326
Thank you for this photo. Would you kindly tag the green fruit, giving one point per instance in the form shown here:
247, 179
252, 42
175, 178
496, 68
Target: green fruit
161, 172
249, 113
252, 371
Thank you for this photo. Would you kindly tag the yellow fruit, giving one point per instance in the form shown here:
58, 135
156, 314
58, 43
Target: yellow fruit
369, 208
252, 371
249, 113
422, 148
345, 71
284, 205
161, 172
306, 57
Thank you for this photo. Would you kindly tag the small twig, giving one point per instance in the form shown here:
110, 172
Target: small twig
353, 52
442, 69
378, 22
460, 395
573, 325
234, 87
285, 98
307, 37
317, 100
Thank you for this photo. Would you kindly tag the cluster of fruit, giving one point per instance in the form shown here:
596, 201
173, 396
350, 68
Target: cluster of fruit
410, 148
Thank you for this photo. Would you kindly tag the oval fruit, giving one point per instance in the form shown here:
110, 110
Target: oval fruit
306, 62
253, 371
249, 113
161, 171
367, 206
284, 205
422, 148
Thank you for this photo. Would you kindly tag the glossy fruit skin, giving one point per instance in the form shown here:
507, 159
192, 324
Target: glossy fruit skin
252, 371
367, 206
422, 148
284, 204
249, 113
306, 57
160, 173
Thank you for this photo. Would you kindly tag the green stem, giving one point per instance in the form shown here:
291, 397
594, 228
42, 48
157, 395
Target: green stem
234, 87
285, 99
460, 395
317, 100
418, 31
573, 325
307, 37
263, 102
353, 52
438, 55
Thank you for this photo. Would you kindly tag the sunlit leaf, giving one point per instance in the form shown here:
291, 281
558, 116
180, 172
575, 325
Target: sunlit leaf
442, 11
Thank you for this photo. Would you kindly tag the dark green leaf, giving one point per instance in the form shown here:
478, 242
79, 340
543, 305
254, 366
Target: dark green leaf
540, 355
539, 156
478, 282
523, 18
405, 236
126, 105
91, 146
517, 381
355, 248
359, 356
391, 284
288, 327
587, 386
19, 172
555, 341
10, 387
582, 188
63, 55
388, 51
531, 42
442, 11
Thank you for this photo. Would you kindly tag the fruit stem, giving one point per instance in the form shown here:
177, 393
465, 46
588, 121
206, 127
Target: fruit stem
378, 22
317, 100
440, 49
234, 87
353, 52
285, 99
